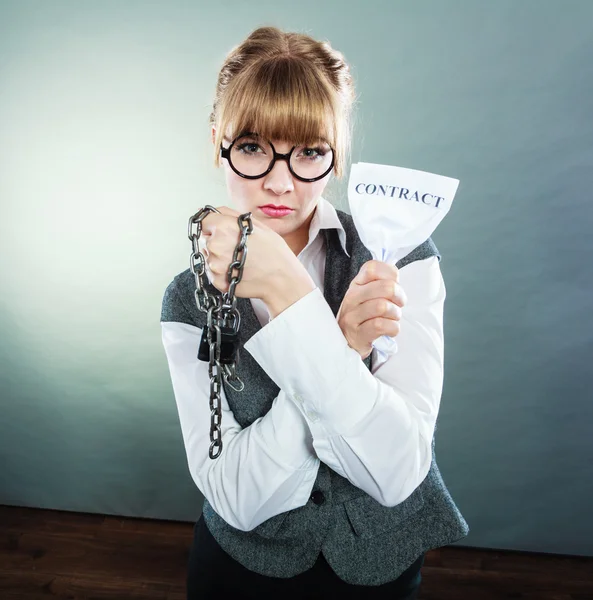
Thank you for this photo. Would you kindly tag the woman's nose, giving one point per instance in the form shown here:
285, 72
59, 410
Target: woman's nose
279, 179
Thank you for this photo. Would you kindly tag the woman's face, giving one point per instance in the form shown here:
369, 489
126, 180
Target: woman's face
278, 187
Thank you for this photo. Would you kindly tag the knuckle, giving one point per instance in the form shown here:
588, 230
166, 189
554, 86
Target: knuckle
391, 310
397, 294
370, 268
378, 326
388, 287
383, 306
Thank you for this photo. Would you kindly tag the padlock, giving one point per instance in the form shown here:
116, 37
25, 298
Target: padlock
228, 347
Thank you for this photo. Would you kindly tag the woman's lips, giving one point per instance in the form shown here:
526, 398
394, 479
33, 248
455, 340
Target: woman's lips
275, 212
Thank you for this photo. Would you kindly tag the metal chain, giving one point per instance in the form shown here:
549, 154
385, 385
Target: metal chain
222, 313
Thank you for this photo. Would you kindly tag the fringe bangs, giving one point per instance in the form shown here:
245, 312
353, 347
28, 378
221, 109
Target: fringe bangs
281, 99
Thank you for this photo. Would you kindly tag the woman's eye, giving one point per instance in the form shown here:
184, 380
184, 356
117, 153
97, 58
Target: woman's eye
252, 147
306, 152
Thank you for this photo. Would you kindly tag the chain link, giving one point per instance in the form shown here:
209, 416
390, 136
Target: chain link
222, 313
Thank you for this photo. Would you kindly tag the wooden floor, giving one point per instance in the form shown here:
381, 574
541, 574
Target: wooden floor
46, 553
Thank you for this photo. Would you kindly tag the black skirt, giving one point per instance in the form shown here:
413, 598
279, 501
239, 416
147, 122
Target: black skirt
212, 573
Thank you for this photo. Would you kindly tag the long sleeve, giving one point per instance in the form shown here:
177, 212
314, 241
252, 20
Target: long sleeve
264, 469
375, 428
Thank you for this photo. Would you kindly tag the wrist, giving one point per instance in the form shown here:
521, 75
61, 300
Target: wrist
287, 288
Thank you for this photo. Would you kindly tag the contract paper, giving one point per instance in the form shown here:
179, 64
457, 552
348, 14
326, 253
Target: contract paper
395, 210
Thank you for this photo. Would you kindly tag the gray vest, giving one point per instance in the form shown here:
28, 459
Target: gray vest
364, 542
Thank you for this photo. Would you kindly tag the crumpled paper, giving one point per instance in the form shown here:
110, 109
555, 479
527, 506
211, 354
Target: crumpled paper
394, 210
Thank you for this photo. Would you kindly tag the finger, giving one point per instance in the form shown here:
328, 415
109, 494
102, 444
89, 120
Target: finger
358, 294
376, 269
375, 328
377, 308
209, 223
209, 273
202, 242
212, 265
230, 212
218, 222
381, 288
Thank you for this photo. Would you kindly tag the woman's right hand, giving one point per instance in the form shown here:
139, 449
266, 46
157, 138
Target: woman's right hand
372, 306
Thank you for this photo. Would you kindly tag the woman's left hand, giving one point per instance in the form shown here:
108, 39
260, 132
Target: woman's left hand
269, 258
372, 306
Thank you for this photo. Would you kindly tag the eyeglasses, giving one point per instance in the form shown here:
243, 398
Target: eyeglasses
252, 157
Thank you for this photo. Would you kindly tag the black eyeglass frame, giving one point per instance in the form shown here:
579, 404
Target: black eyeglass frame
226, 153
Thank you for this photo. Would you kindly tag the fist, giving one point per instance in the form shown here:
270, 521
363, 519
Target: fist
268, 258
372, 306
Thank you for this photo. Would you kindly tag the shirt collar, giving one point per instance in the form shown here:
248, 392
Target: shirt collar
326, 217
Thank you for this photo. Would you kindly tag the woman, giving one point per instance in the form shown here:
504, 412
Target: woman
327, 482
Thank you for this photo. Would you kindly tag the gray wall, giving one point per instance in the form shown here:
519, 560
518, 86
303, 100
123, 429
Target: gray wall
105, 154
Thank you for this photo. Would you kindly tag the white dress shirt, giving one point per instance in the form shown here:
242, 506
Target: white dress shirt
373, 428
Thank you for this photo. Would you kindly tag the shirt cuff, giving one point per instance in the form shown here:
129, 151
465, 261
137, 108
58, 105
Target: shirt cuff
304, 351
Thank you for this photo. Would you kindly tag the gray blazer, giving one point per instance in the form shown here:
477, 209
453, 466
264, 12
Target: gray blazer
365, 542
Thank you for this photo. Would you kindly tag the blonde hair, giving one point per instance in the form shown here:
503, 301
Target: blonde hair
286, 86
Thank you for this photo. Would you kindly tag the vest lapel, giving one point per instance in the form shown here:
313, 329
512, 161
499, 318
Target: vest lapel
338, 266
